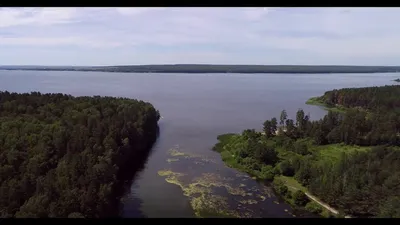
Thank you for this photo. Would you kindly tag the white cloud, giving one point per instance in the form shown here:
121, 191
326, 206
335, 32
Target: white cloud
193, 35
135, 11
49, 42
35, 16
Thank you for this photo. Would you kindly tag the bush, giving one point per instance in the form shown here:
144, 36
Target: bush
267, 173
314, 207
300, 198
300, 148
286, 168
280, 187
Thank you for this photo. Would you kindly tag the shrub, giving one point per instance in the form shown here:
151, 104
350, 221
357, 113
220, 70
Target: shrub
314, 207
300, 198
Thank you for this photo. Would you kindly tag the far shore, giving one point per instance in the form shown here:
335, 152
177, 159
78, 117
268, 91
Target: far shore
211, 68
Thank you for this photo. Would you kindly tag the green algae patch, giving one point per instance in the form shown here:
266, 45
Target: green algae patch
171, 177
261, 197
211, 194
209, 205
248, 201
202, 200
172, 160
175, 152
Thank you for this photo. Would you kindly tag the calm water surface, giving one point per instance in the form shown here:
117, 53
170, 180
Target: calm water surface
195, 109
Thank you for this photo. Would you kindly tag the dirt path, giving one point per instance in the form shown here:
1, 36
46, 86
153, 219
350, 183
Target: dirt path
315, 199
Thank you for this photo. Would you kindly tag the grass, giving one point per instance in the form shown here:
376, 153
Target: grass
333, 152
291, 183
319, 102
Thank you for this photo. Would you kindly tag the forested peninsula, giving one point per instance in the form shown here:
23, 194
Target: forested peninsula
210, 68
349, 159
65, 156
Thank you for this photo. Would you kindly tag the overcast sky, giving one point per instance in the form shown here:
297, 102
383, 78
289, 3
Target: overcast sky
120, 36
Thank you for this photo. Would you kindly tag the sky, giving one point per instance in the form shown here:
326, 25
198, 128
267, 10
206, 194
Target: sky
133, 36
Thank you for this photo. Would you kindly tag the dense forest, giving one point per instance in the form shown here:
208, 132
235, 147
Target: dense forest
379, 99
209, 68
349, 160
64, 156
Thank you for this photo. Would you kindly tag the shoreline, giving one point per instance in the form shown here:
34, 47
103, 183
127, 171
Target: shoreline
227, 158
316, 101
327, 210
214, 68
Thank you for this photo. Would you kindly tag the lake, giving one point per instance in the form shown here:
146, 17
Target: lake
196, 108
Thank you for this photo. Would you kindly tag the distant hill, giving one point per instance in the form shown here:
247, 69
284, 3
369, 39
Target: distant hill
209, 68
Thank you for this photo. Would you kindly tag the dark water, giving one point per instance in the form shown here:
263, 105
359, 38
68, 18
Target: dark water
195, 109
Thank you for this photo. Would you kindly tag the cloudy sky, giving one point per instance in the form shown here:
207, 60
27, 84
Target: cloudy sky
120, 36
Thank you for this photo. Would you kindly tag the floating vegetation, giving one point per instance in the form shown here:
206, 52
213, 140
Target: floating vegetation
202, 200
172, 160
261, 197
171, 177
201, 187
199, 163
240, 175
175, 152
207, 160
248, 201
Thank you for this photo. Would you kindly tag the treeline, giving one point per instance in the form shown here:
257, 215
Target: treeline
361, 183
378, 99
364, 184
64, 156
209, 68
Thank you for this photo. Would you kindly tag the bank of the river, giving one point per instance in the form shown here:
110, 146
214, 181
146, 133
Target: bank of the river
271, 177
318, 101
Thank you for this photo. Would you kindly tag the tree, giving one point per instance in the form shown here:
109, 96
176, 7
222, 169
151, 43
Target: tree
283, 118
290, 128
267, 128
300, 148
274, 125
286, 168
300, 198
300, 119
280, 187
390, 208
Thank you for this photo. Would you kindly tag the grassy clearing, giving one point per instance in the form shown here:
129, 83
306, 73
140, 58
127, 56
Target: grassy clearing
291, 183
333, 152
